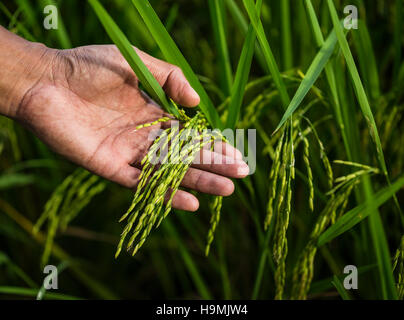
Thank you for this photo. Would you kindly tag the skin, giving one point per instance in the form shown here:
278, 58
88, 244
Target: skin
84, 103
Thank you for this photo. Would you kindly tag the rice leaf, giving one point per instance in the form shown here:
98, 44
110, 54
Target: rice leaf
330, 75
367, 60
311, 76
398, 36
269, 57
142, 72
340, 288
359, 89
287, 50
174, 56
242, 73
60, 32
19, 26
4, 259
13, 180
33, 292
375, 224
356, 215
217, 14
189, 262
241, 23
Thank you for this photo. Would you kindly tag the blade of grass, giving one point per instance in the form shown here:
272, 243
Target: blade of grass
375, 225
311, 76
242, 73
340, 288
42, 291
287, 50
217, 13
174, 56
367, 60
172, 17
142, 72
329, 71
380, 244
242, 24
359, 89
192, 268
96, 287
269, 57
20, 27
60, 32
362, 194
360, 212
4, 259
32, 293
13, 180
326, 284
398, 36
29, 14
361, 95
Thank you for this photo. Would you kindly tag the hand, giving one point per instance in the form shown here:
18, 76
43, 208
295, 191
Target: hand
86, 104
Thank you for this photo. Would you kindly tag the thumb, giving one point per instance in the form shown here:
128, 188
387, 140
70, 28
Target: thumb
172, 80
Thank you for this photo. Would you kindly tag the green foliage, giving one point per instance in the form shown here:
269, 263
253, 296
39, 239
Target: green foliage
352, 111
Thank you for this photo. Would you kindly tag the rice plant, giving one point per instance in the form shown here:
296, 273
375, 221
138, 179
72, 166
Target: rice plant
327, 105
66, 202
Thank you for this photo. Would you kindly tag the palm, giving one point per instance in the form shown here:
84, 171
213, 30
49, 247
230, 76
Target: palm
88, 110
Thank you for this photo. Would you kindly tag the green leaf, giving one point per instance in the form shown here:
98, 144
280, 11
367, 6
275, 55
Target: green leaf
340, 288
174, 56
33, 292
359, 89
398, 36
142, 72
241, 23
311, 76
287, 50
60, 32
217, 14
12, 180
242, 73
266, 49
367, 60
19, 26
378, 235
4, 259
189, 262
330, 75
356, 215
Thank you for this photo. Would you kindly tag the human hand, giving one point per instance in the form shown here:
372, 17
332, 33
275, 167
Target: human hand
86, 104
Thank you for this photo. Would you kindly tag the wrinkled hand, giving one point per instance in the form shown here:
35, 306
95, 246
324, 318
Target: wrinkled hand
86, 105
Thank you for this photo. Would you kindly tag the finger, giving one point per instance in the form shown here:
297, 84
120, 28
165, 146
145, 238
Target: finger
172, 79
183, 200
225, 149
207, 182
220, 164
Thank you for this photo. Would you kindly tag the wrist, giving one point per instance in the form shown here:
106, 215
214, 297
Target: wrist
24, 65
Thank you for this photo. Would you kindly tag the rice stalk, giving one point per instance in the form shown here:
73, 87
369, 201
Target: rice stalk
215, 208
174, 150
306, 160
398, 267
66, 202
281, 176
304, 269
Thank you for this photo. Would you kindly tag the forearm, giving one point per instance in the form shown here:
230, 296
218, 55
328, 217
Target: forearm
22, 64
